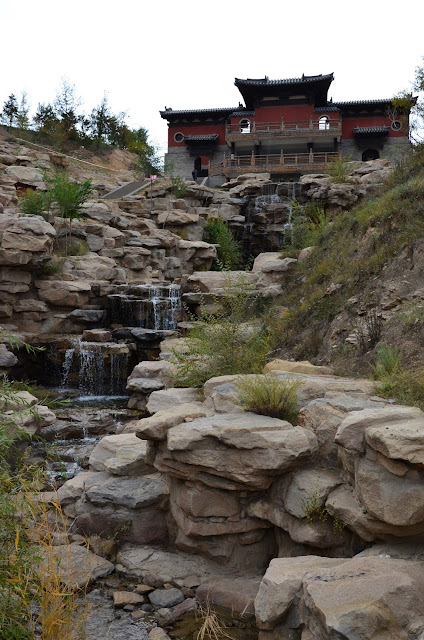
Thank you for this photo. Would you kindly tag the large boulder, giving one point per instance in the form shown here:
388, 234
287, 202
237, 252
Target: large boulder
121, 455
281, 584
235, 451
76, 565
156, 427
64, 293
28, 175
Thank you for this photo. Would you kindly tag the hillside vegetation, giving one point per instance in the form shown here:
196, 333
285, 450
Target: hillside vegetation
361, 287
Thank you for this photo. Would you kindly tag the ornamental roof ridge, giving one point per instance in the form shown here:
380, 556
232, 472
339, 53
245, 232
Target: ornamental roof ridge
266, 81
324, 109
353, 102
205, 137
240, 112
367, 130
178, 111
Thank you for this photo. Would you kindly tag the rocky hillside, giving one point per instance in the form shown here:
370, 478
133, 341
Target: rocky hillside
362, 282
311, 525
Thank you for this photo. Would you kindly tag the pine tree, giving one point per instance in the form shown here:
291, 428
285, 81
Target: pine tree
10, 111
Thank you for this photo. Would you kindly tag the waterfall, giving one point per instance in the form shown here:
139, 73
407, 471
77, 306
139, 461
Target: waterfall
287, 230
264, 201
95, 368
118, 373
91, 369
155, 307
66, 368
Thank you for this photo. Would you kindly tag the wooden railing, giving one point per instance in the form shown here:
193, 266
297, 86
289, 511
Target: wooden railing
285, 128
282, 162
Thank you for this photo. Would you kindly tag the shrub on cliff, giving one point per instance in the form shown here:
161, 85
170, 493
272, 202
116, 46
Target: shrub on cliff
223, 343
229, 251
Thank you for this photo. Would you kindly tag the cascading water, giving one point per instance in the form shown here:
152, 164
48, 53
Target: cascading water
155, 307
96, 369
287, 230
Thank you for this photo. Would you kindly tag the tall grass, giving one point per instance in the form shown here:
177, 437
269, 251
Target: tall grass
404, 385
34, 599
267, 395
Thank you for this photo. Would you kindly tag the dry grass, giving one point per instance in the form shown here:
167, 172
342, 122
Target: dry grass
212, 627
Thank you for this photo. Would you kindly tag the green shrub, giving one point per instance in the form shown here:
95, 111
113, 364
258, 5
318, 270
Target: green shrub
404, 385
229, 251
339, 171
223, 343
35, 203
269, 396
50, 269
388, 362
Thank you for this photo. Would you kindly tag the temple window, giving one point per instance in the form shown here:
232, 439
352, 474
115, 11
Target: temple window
324, 123
179, 137
396, 125
245, 126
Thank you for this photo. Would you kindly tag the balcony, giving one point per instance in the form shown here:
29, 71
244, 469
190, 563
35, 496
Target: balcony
278, 163
254, 132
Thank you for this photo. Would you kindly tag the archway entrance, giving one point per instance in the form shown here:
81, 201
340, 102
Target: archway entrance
370, 154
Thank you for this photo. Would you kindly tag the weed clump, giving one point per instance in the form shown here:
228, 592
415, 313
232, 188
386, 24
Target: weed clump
224, 342
269, 395
404, 385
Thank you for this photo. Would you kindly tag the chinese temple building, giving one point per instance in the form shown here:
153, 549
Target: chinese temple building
287, 127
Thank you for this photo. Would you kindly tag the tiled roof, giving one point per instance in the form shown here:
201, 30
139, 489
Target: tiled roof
266, 81
371, 130
169, 112
236, 114
325, 109
210, 137
365, 102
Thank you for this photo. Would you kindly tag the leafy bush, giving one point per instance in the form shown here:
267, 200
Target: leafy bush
35, 203
69, 196
229, 251
339, 171
50, 269
223, 343
269, 396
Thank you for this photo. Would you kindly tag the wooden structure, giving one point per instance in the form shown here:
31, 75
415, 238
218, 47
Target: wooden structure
286, 126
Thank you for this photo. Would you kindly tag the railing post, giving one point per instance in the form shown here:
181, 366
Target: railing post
254, 126
252, 159
282, 124
225, 160
311, 156
311, 124
325, 158
295, 159
281, 157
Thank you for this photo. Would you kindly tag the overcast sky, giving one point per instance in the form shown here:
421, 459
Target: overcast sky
186, 54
